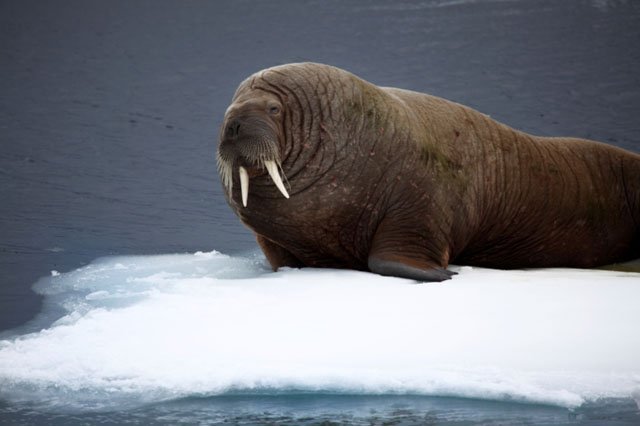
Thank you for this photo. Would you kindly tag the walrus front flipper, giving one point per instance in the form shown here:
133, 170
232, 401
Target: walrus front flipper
395, 268
401, 249
277, 255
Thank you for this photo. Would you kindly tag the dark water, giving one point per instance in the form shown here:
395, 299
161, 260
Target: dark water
326, 409
109, 113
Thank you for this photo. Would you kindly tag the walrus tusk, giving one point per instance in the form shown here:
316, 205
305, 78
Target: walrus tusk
244, 185
272, 168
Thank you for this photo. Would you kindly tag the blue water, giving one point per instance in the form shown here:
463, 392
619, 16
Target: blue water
313, 409
109, 114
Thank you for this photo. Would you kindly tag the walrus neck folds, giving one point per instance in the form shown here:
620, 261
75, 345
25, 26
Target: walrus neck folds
332, 117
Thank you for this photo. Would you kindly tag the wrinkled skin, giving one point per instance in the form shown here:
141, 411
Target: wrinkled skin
402, 183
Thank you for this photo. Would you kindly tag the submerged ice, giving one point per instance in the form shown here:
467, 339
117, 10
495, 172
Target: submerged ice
150, 328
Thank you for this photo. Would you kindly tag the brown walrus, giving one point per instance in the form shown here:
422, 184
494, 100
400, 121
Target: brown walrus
332, 171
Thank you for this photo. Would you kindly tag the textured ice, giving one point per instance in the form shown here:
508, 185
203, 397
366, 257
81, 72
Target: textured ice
141, 329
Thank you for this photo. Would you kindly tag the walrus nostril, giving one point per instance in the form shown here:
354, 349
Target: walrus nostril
233, 129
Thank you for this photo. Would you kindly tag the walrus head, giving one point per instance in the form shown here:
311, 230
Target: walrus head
250, 140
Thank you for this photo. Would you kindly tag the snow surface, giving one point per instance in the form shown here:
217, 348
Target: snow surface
150, 328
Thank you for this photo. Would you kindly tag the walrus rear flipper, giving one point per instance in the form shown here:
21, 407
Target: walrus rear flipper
396, 268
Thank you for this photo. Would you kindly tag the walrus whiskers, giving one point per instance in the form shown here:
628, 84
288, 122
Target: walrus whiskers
224, 169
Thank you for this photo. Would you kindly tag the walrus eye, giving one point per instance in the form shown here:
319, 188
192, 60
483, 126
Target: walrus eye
274, 110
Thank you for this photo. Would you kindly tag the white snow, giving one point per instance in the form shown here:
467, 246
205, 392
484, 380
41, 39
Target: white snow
158, 327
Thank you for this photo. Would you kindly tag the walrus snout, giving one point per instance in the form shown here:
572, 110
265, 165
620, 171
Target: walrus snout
232, 130
249, 142
248, 127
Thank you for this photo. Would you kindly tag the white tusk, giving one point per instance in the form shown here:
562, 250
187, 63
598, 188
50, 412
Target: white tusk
244, 185
272, 168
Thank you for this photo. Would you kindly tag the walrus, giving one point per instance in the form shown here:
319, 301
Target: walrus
329, 170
